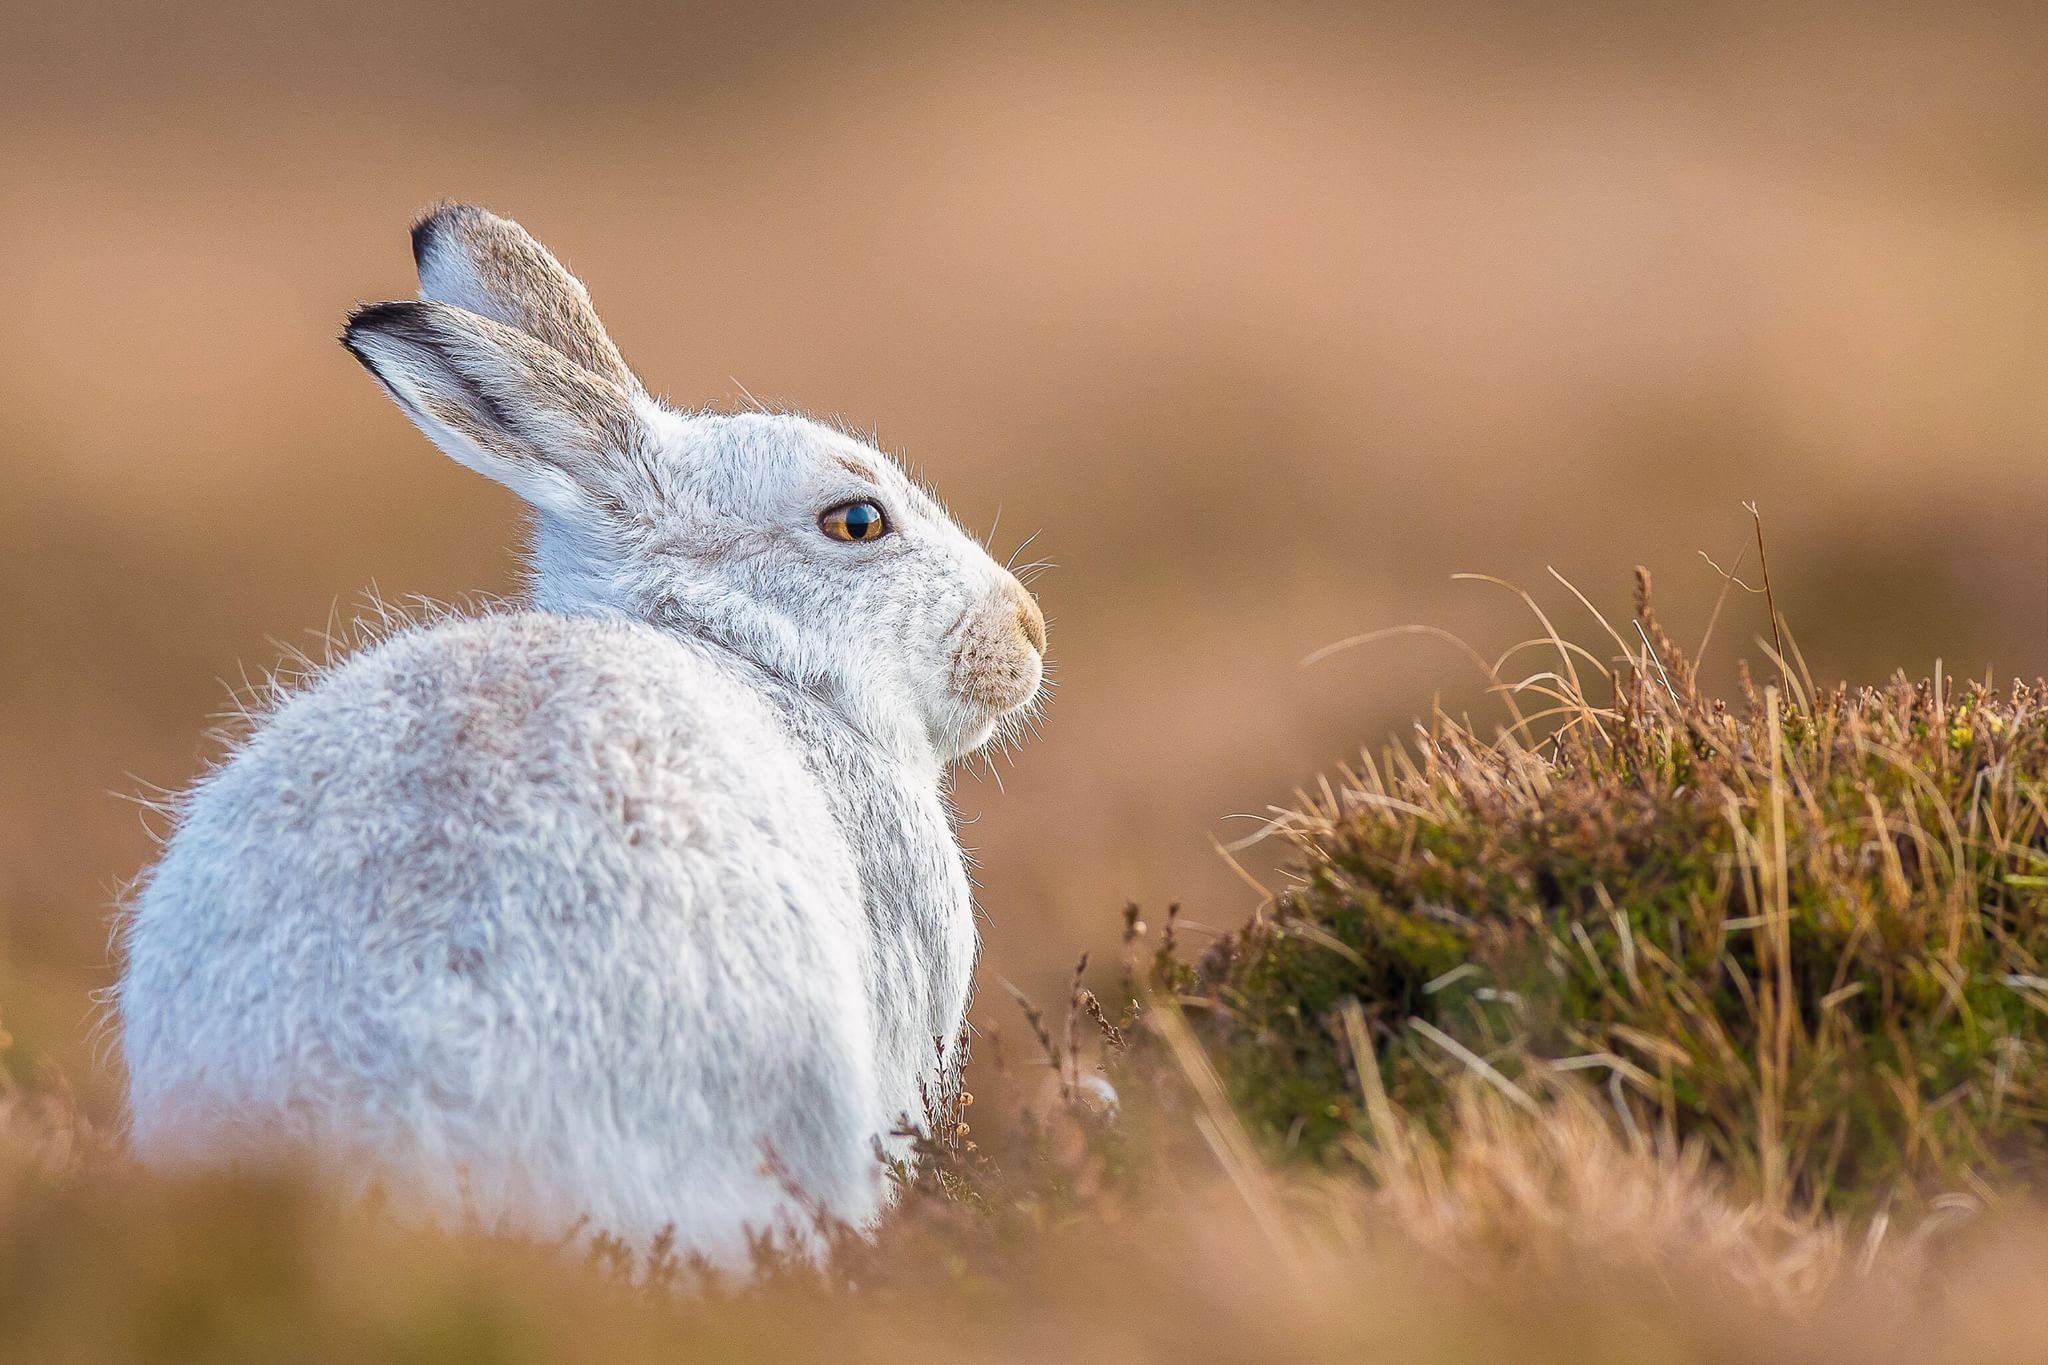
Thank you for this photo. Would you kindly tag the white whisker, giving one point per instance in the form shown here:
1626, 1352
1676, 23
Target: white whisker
1020, 550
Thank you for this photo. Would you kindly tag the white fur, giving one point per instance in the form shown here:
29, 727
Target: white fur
583, 909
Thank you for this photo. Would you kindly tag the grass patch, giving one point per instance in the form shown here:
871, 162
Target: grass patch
1803, 932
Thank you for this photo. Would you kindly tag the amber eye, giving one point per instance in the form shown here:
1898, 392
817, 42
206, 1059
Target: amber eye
854, 521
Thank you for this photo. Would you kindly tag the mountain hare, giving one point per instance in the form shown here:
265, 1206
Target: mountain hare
574, 914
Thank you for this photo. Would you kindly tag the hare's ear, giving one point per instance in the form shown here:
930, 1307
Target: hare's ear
489, 265
501, 403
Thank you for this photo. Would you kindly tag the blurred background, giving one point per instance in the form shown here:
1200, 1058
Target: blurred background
1265, 320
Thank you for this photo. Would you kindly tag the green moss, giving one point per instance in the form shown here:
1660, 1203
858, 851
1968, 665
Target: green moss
1805, 931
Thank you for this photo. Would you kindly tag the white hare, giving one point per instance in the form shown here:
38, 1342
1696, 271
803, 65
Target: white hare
576, 911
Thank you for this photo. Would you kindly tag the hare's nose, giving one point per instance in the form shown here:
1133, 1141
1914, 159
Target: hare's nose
1030, 619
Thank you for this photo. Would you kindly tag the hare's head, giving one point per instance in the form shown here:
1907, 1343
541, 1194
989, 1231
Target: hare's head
800, 549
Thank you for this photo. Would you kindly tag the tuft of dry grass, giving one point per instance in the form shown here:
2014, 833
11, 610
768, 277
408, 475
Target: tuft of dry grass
1513, 1237
1802, 933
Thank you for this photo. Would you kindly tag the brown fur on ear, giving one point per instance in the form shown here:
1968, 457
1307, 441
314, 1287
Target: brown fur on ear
491, 266
495, 398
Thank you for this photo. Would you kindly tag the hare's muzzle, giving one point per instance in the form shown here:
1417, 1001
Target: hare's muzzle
1000, 658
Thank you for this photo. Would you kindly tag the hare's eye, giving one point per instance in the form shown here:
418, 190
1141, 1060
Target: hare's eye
854, 521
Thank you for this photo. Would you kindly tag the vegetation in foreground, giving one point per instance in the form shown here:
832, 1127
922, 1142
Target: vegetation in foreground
1653, 1028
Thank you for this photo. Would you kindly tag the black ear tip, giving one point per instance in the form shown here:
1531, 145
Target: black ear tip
429, 226
423, 232
404, 320
438, 220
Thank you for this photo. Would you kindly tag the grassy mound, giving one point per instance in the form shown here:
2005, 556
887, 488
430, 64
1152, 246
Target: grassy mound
1804, 932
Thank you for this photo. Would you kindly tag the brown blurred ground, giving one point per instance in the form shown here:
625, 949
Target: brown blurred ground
1267, 323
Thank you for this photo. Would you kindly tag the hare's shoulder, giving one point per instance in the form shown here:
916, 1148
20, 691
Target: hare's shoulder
529, 698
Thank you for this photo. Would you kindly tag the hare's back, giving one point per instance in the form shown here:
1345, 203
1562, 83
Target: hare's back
527, 727
548, 866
